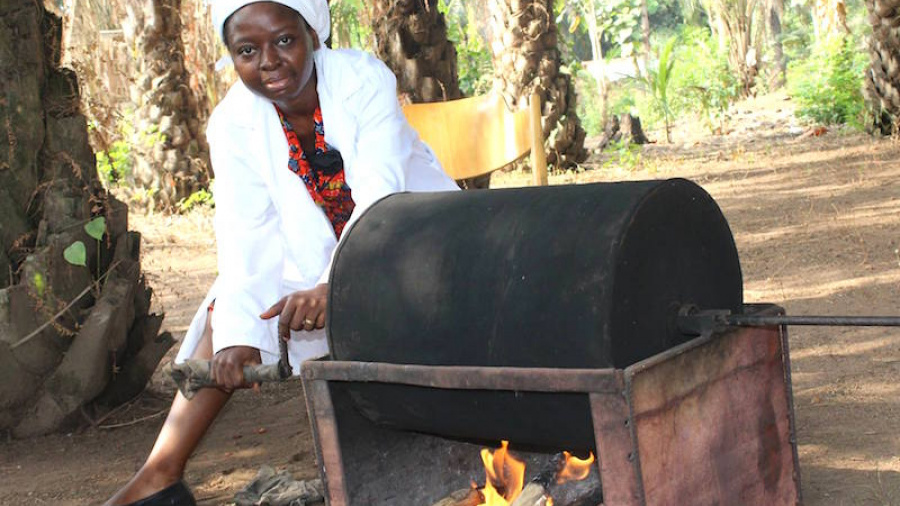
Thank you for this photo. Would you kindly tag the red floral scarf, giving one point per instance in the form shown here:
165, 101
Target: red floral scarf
323, 173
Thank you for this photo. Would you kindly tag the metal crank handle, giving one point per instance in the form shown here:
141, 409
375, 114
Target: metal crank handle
192, 375
692, 321
826, 321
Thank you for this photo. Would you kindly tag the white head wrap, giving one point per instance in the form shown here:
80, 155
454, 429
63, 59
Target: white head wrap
315, 12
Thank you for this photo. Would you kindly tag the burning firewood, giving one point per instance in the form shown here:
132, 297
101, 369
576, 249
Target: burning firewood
534, 494
564, 480
464, 497
570, 482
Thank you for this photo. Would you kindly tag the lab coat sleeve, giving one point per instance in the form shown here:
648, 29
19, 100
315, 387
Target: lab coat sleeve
384, 145
250, 251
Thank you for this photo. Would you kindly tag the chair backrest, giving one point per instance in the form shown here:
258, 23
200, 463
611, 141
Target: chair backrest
478, 135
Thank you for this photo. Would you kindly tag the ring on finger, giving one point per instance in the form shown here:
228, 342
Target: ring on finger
308, 323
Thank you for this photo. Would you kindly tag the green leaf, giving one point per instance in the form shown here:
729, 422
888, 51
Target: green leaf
76, 254
96, 227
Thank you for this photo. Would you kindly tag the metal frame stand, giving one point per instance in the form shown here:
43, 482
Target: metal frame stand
708, 422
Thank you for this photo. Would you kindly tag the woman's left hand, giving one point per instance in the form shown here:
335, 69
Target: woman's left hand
303, 310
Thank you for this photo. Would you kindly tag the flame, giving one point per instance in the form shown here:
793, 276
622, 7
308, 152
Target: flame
575, 469
505, 473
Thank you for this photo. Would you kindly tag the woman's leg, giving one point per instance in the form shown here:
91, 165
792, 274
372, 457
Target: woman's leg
185, 426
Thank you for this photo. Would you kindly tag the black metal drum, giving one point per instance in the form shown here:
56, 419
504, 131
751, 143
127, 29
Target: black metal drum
587, 276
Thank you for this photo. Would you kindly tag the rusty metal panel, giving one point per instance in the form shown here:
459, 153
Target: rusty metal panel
617, 454
713, 421
328, 447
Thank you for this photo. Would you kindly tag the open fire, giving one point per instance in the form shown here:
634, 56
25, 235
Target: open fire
505, 479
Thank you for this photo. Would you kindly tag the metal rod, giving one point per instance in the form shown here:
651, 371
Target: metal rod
835, 321
526, 379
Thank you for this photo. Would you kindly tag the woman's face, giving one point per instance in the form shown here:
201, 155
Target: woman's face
272, 48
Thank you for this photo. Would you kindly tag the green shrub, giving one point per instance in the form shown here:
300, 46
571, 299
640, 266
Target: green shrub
622, 154
708, 85
588, 105
198, 198
657, 82
473, 58
116, 164
828, 85
700, 83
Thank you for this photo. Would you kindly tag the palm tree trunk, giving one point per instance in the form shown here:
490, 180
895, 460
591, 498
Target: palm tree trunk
645, 32
741, 30
411, 38
171, 156
60, 327
882, 81
526, 60
775, 11
598, 68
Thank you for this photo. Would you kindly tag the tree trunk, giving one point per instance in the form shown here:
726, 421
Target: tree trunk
171, 156
411, 38
775, 11
526, 60
67, 324
645, 33
598, 67
742, 30
882, 85
829, 18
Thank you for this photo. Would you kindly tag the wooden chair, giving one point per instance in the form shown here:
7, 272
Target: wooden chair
475, 136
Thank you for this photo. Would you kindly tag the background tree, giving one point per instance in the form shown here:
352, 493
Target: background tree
882, 80
411, 37
524, 44
350, 25
645, 32
75, 334
171, 156
829, 18
774, 16
739, 25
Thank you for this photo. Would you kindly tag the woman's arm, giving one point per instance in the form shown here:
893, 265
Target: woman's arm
250, 254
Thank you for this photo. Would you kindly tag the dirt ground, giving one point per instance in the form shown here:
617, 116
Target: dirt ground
817, 223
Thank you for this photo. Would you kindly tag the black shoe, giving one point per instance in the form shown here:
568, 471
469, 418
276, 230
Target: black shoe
176, 494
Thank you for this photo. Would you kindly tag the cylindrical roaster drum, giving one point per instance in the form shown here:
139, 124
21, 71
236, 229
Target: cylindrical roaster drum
587, 276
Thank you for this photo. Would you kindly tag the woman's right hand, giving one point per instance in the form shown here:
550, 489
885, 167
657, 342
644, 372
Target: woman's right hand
227, 366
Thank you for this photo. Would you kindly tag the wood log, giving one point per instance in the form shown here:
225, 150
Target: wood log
534, 494
586, 492
464, 497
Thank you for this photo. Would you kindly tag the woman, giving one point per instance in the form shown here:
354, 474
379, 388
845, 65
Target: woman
306, 141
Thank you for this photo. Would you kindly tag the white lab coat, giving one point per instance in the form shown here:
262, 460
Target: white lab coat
272, 239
